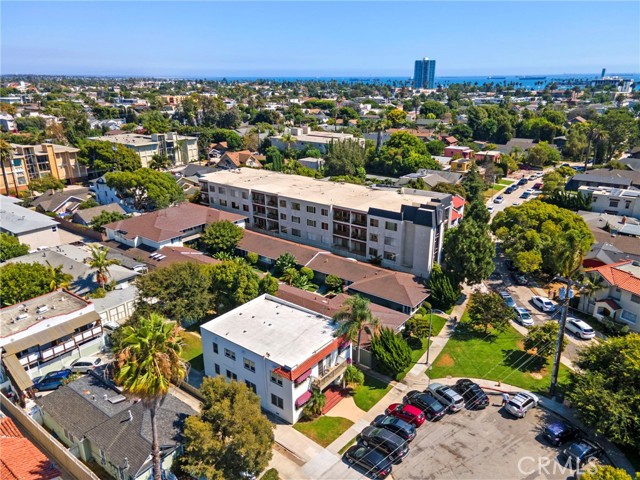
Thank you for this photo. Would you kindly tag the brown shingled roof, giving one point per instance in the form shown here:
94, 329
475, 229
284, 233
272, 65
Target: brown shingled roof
271, 247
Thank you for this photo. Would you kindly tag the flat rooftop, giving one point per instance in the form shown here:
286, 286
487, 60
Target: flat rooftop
17, 220
321, 137
285, 333
612, 191
345, 195
127, 139
57, 303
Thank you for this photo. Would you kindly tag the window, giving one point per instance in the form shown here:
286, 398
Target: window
388, 241
283, 203
295, 232
222, 190
325, 226
284, 229
373, 252
635, 298
311, 223
245, 196
245, 208
277, 401
283, 216
252, 386
216, 367
249, 365
235, 205
614, 202
295, 219
373, 237
627, 204
391, 226
373, 222
295, 206
324, 212
277, 379
229, 354
628, 316
215, 347
223, 202
390, 256
231, 375
311, 209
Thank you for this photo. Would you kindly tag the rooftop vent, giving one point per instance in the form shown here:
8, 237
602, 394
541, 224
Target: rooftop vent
117, 399
42, 309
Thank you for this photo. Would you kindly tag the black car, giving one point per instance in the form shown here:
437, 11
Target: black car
520, 279
474, 396
376, 463
522, 181
431, 407
560, 432
387, 442
395, 425
581, 452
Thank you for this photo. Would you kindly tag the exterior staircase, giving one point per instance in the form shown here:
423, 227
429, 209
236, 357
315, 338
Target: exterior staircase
334, 394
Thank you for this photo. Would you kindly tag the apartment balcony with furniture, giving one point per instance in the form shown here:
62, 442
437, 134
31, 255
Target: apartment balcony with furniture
341, 216
329, 375
359, 219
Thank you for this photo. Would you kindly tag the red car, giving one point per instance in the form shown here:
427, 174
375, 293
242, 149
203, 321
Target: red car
408, 413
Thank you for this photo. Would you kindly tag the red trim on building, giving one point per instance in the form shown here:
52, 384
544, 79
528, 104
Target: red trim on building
309, 363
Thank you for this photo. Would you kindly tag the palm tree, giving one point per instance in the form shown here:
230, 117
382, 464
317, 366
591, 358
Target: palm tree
288, 139
148, 362
289, 276
354, 318
101, 263
596, 136
58, 279
316, 403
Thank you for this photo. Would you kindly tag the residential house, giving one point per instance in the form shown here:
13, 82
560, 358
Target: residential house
622, 233
86, 216
312, 163
432, 177
112, 430
457, 213
168, 227
7, 123
106, 195
44, 334
615, 201
488, 156
244, 158
63, 203
29, 227
459, 151
404, 228
616, 295
600, 177
461, 165
450, 141
304, 137
280, 350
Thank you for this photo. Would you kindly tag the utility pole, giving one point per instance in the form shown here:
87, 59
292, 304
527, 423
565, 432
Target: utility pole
429, 338
565, 296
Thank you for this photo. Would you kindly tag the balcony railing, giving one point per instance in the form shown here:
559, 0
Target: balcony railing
330, 375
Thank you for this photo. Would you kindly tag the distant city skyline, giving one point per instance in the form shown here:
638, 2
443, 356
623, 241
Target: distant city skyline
314, 39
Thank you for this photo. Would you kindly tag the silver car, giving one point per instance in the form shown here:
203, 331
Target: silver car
519, 405
452, 400
84, 364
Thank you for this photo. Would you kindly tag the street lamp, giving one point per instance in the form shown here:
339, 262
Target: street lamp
429, 338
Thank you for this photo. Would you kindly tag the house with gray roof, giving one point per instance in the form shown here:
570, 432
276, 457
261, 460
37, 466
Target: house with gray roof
602, 177
86, 216
32, 228
62, 203
110, 429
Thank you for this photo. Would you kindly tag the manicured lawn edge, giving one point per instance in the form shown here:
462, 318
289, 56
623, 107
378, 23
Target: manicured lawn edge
192, 350
346, 447
371, 392
323, 430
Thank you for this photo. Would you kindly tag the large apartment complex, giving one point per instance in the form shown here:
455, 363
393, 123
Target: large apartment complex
179, 149
29, 162
305, 137
615, 201
403, 228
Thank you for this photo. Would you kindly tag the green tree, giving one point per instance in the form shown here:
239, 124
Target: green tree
397, 117
353, 376
101, 157
435, 147
443, 292
542, 339
148, 363
345, 158
307, 272
474, 185
552, 181
606, 472
290, 276
333, 283
48, 182
352, 320
147, 189
436, 108
57, 278
621, 131
391, 351
403, 153
155, 121
608, 380
230, 438
10, 247
232, 284
88, 203
101, 262
23, 281
252, 258
268, 284
105, 217
159, 162
489, 310
284, 261
222, 236
182, 291
542, 155
275, 159
453, 189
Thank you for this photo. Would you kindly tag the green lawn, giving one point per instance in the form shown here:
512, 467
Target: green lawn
418, 347
506, 181
346, 447
437, 324
499, 358
493, 190
192, 350
324, 430
370, 392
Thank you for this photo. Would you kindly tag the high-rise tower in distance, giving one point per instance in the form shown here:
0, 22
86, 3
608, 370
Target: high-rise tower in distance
424, 73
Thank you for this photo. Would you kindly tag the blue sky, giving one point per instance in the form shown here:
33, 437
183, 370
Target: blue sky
318, 38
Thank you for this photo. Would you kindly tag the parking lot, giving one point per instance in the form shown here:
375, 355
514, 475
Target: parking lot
487, 444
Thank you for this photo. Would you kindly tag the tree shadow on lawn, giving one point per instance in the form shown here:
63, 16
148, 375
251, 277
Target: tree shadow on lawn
464, 331
414, 343
523, 361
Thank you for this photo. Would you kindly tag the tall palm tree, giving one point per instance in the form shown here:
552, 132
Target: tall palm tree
354, 318
148, 362
58, 279
101, 263
595, 135
288, 139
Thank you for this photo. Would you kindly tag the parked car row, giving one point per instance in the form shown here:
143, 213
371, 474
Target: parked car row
581, 450
54, 380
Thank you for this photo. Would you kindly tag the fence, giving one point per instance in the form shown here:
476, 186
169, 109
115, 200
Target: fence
80, 230
58, 453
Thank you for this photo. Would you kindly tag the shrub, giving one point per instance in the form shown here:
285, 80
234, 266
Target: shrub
443, 292
333, 283
252, 258
284, 262
307, 272
271, 474
391, 351
98, 293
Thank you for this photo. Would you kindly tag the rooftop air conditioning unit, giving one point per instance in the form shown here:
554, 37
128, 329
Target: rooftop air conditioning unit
42, 309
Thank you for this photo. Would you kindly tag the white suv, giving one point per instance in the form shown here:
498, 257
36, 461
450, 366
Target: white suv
519, 405
580, 328
543, 303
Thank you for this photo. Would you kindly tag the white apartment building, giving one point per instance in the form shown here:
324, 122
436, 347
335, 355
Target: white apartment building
615, 201
179, 149
304, 136
404, 228
278, 349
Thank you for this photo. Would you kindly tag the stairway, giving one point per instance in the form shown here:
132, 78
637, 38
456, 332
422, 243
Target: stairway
334, 394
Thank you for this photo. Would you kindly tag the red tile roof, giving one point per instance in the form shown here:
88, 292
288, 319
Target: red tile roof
455, 215
21, 459
171, 222
618, 277
457, 201
611, 302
